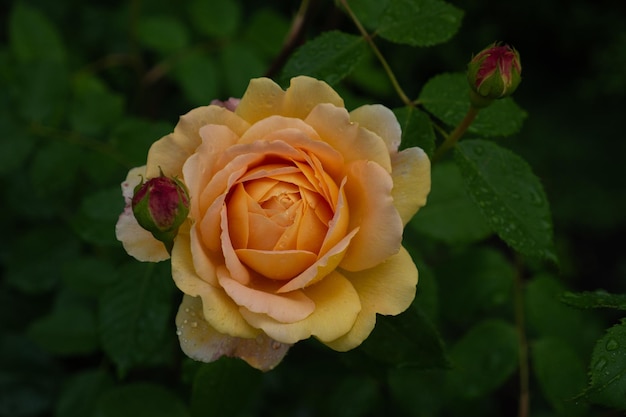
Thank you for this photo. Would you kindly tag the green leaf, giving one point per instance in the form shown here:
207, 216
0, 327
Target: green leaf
450, 215
419, 22
217, 389
352, 396
136, 321
16, 145
163, 34
197, 76
97, 215
509, 195
409, 339
140, 400
133, 137
561, 375
417, 129
218, 19
94, 108
47, 179
477, 283
32, 36
266, 32
68, 330
43, 91
547, 316
369, 12
595, 299
80, 394
239, 63
608, 369
447, 97
484, 359
330, 57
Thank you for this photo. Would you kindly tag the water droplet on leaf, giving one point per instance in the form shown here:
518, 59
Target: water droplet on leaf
612, 344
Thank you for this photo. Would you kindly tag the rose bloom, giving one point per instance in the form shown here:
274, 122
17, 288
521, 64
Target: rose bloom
297, 208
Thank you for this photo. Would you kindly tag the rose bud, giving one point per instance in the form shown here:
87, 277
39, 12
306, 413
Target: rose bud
160, 206
493, 73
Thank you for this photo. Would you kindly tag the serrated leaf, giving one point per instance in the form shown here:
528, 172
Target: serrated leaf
419, 22
369, 12
79, 396
216, 18
447, 97
595, 299
164, 34
330, 57
140, 400
608, 369
509, 195
32, 36
561, 375
217, 389
417, 129
407, 340
450, 215
136, 316
483, 359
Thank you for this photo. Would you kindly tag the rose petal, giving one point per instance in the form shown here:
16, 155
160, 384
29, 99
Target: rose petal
278, 265
380, 120
203, 343
368, 191
170, 152
388, 288
352, 141
411, 181
265, 98
337, 305
284, 308
137, 241
219, 309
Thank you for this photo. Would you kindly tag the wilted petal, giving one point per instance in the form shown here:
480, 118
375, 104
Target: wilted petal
203, 343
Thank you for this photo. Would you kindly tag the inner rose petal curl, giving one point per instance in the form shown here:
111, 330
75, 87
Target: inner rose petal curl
297, 209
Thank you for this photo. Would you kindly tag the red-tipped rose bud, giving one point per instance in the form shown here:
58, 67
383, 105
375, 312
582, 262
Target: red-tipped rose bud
160, 206
493, 73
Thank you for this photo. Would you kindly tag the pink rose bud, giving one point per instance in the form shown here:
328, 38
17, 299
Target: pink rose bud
160, 206
493, 73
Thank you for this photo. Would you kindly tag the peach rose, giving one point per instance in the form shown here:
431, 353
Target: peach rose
297, 208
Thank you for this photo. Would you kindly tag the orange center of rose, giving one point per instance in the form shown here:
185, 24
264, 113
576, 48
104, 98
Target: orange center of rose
282, 214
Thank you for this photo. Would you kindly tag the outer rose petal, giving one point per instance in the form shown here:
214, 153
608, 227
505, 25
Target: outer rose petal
137, 241
388, 288
380, 120
368, 192
411, 181
265, 98
219, 309
170, 152
337, 305
201, 342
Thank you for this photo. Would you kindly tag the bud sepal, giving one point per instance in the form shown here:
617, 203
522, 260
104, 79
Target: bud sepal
493, 73
160, 205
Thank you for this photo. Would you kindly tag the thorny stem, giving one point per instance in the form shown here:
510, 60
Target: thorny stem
523, 342
457, 133
405, 99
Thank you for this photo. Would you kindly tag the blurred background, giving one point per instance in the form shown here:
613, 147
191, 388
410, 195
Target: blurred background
86, 87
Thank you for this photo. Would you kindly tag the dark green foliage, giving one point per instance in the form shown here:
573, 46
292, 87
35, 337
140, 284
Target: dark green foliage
536, 182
